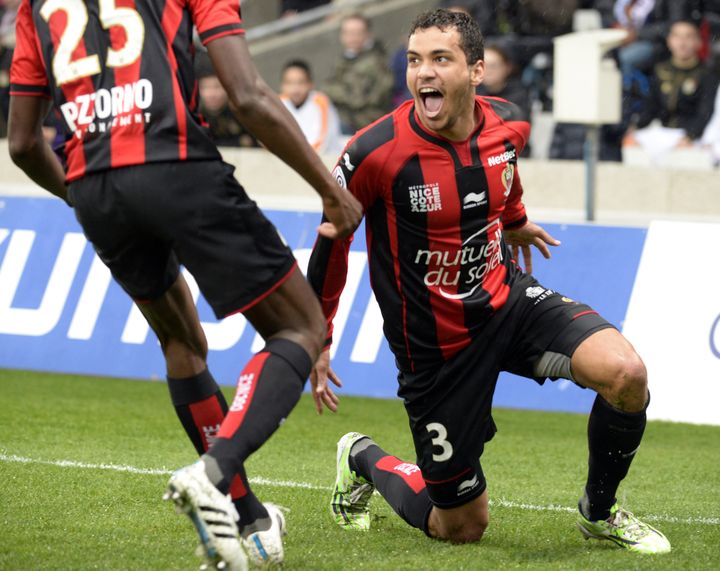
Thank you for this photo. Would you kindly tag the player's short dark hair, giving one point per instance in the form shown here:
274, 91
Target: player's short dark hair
299, 64
471, 38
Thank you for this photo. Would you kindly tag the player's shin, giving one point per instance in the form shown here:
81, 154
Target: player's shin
614, 437
200, 406
268, 388
400, 483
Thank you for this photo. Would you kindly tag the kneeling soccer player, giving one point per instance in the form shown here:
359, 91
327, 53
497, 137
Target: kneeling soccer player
438, 182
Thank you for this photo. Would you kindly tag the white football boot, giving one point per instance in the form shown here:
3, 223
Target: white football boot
265, 548
213, 515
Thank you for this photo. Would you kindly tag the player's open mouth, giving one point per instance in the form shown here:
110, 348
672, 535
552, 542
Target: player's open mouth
432, 101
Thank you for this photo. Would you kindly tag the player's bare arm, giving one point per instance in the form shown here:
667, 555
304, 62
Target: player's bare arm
28, 148
259, 109
530, 234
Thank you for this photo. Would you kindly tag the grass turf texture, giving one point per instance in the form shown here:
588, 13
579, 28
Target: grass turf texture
62, 518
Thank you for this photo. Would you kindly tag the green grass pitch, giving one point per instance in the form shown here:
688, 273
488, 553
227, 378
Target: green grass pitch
80, 515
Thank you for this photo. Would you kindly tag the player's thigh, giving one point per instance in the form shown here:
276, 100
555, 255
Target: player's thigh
449, 412
547, 330
463, 524
140, 261
173, 316
291, 311
237, 256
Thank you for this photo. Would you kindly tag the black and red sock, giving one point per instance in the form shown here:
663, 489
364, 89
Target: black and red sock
200, 406
399, 482
268, 388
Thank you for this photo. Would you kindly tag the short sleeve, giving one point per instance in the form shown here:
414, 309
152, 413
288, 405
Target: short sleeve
27, 72
216, 18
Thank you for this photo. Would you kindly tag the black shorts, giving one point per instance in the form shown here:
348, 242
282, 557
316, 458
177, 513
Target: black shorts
450, 406
145, 220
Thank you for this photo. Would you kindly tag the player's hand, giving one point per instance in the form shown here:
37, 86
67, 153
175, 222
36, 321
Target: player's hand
322, 393
343, 212
529, 235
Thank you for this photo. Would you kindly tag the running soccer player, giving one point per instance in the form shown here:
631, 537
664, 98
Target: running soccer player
151, 192
439, 186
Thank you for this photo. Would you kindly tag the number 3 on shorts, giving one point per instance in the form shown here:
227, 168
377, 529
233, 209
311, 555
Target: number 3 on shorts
441, 441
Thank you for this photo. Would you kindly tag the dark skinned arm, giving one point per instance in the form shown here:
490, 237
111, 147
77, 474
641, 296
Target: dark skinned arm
260, 110
28, 148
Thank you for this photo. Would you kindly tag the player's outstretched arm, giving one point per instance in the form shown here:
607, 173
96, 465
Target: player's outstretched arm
28, 148
260, 110
530, 234
322, 393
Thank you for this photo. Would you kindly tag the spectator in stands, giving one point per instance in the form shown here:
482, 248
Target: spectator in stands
485, 13
361, 83
312, 109
648, 25
711, 136
225, 129
682, 90
398, 67
500, 79
293, 7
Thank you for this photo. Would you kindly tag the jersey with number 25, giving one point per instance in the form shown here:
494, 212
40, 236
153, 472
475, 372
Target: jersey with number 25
120, 73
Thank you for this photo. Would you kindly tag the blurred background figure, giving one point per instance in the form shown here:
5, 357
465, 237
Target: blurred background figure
361, 84
290, 8
501, 79
225, 129
681, 98
648, 25
312, 109
8, 11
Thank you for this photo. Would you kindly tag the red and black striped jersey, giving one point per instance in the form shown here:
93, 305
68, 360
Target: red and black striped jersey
434, 214
120, 72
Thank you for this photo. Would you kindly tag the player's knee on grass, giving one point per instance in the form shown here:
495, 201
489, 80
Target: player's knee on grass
467, 530
464, 524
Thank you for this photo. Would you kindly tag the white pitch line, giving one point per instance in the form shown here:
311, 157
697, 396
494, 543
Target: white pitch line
499, 502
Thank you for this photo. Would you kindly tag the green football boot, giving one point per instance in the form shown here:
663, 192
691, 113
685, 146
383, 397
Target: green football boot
625, 530
351, 496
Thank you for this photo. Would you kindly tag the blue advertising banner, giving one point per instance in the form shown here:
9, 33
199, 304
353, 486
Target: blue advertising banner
60, 310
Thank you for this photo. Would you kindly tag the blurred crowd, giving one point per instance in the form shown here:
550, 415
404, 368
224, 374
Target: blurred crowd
670, 64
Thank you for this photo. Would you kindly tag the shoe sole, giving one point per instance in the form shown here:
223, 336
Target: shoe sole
184, 505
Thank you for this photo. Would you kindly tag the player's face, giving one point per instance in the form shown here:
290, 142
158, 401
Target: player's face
296, 85
442, 82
